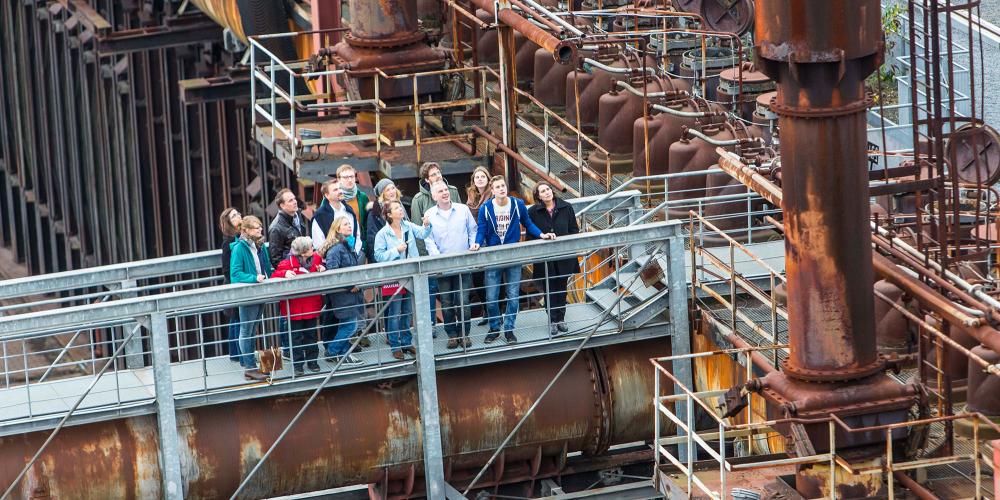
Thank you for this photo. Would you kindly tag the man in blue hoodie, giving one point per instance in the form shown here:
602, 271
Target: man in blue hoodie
500, 221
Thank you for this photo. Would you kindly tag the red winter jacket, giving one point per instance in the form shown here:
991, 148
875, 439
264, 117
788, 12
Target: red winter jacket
302, 307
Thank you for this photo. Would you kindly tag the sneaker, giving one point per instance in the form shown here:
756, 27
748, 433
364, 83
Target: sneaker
467, 341
483, 322
397, 354
562, 326
510, 338
299, 370
553, 330
364, 342
254, 374
350, 359
312, 366
452, 343
492, 337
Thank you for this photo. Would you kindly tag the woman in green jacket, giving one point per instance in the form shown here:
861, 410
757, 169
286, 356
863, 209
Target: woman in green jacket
249, 263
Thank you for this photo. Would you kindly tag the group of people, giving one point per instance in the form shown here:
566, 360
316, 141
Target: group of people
348, 229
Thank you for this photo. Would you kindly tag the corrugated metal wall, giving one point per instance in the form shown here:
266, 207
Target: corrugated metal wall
100, 161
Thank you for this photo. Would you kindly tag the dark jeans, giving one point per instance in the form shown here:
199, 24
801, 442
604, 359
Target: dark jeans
555, 298
233, 336
304, 340
336, 335
454, 294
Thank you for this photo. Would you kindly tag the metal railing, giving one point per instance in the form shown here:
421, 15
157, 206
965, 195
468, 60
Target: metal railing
278, 80
726, 432
39, 375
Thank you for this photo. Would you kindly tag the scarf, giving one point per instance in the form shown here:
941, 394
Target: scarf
350, 195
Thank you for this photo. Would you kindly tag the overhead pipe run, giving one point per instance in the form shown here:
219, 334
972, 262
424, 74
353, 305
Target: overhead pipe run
563, 51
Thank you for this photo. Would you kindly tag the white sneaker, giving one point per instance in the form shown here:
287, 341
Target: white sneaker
350, 359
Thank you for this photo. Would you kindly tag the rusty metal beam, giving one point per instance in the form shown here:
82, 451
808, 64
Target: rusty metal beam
232, 86
175, 32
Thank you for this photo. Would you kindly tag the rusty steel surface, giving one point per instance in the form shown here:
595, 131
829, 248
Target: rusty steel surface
363, 433
893, 332
819, 54
384, 22
664, 129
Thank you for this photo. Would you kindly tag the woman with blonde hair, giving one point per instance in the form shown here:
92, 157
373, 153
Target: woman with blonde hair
345, 305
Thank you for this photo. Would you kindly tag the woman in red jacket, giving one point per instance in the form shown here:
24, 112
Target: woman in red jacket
302, 312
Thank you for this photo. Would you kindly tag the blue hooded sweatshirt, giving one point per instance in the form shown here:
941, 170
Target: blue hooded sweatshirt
486, 235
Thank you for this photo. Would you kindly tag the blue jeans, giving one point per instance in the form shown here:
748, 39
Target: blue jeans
340, 344
283, 334
432, 285
511, 277
398, 323
233, 337
249, 316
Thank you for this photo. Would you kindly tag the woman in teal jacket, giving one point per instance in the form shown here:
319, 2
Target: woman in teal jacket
249, 264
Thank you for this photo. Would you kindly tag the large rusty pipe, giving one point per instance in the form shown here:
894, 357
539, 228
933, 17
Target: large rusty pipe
819, 54
363, 433
916, 488
563, 51
885, 268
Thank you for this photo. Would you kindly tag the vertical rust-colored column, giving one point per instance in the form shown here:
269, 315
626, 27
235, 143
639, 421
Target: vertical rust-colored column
819, 53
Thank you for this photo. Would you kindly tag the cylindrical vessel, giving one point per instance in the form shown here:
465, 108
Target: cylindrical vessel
704, 71
821, 103
586, 88
550, 78
384, 20
665, 129
984, 387
362, 433
892, 329
765, 118
617, 112
693, 154
754, 83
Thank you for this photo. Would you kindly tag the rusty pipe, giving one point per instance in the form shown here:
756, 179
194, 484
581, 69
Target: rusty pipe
563, 51
916, 488
362, 433
732, 165
555, 28
492, 139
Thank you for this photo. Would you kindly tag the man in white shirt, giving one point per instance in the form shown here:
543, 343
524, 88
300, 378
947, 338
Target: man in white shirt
453, 231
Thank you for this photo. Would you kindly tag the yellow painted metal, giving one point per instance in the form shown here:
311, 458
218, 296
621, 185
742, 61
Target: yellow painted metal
224, 12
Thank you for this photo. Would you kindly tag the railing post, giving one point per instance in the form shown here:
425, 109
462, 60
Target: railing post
430, 416
656, 428
680, 338
166, 418
133, 349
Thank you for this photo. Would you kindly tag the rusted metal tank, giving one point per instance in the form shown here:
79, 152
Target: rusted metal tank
617, 112
765, 118
692, 154
893, 331
754, 83
385, 35
363, 433
590, 84
664, 129
983, 388
550, 78
704, 69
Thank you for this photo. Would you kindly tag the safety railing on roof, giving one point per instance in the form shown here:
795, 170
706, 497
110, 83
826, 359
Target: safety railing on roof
716, 442
50, 358
278, 81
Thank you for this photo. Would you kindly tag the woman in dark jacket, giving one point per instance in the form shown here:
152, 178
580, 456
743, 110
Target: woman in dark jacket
347, 304
553, 215
229, 223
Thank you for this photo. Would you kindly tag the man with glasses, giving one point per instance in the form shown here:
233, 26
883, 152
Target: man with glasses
353, 196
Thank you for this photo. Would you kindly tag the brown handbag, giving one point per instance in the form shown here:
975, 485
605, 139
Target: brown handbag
269, 360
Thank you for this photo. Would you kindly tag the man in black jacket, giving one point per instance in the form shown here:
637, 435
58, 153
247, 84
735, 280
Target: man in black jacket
290, 223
